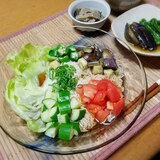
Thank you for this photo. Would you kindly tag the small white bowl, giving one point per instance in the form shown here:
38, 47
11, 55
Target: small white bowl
99, 5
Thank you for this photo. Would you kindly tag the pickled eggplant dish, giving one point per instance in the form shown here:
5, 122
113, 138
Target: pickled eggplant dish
145, 34
65, 90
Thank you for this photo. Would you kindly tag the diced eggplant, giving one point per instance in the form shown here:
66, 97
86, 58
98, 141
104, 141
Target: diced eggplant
93, 63
81, 53
107, 53
82, 63
108, 73
97, 52
110, 63
97, 69
88, 50
90, 57
130, 36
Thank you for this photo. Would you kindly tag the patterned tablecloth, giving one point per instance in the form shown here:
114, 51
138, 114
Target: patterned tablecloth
9, 150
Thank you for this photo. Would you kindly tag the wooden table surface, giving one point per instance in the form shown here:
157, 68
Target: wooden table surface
16, 14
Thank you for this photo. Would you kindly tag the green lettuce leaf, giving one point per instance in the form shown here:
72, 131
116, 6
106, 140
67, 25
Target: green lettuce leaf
23, 92
27, 56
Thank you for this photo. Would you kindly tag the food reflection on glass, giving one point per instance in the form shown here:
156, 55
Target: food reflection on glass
88, 15
65, 90
145, 34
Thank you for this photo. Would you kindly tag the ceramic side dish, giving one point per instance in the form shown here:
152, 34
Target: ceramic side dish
98, 5
146, 11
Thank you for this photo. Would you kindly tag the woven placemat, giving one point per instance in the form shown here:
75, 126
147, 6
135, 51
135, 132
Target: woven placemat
45, 32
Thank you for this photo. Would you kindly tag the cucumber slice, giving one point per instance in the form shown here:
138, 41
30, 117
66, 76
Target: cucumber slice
63, 118
52, 130
37, 126
45, 116
53, 113
63, 96
49, 103
66, 131
75, 103
44, 108
77, 114
64, 107
76, 128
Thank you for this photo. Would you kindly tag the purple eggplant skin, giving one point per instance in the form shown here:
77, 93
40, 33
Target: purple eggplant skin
130, 36
141, 38
144, 36
110, 63
151, 42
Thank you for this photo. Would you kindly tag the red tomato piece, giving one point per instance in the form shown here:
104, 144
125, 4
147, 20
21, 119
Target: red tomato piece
102, 115
100, 98
85, 100
79, 90
93, 108
118, 106
114, 93
102, 85
89, 90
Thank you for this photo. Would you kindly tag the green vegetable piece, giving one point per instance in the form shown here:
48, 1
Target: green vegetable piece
53, 52
51, 73
64, 95
52, 130
49, 103
70, 48
76, 128
74, 56
155, 35
45, 116
63, 118
26, 56
44, 108
77, 114
64, 59
75, 103
53, 114
154, 23
61, 51
72, 83
64, 107
37, 126
65, 131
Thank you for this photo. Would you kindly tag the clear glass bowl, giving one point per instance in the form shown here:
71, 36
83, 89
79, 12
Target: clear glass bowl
99, 136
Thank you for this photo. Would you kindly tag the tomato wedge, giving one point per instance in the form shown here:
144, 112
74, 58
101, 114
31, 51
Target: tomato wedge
101, 97
102, 115
114, 93
79, 90
93, 108
89, 90
118, 106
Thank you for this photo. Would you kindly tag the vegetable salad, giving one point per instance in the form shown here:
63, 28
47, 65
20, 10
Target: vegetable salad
65, 90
